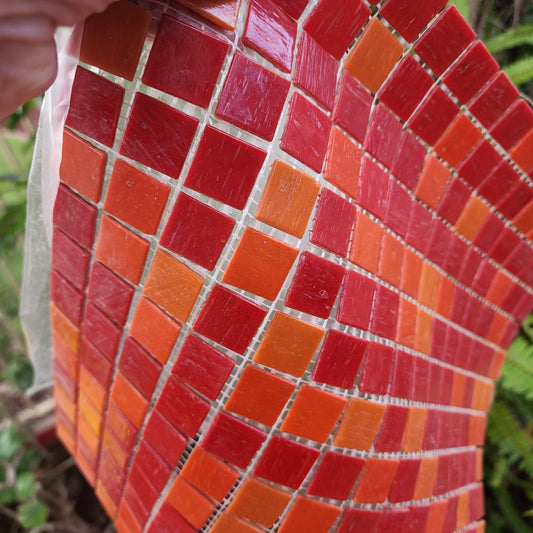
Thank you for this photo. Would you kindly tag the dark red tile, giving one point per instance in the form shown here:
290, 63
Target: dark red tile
410, 160
316, 71
446, 386
139, 481
470, 266
520, 259
435, 372
481, 161
285, 462
184, 61
460, 299
383, 136
165, 438
158, 135
306, 134
233, 440
513, 125
333, 224
168, 520
95, 362
94, 106
457, 259
419, 227
148, 460
355, 519
373, 188
294, 8
471, 72
376, 372
491, 229
315, 285
335, 23
484, 277
196, 231
398, 209
405, 87
486, 315
70, 259
502, 179
516, 200
394, 520
421, 379
229, 319
352, 108
356, 300
252, 97
504, 245
402, 376
335, 476
403, 486
103, 333
389, 437
225, 168
271, 32
451, 345
339, 359
444, 40
439, 242
385, 313
110, 475
66, 297
453, 200
202, 367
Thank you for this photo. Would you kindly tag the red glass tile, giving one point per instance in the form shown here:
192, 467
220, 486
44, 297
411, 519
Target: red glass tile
252, 97
165, 438
469, 268
503, 178
383, 135
168, 520
394, 520
202, 367
139, 367
433, 116
196, 231
75, 216
182, 407
225, 168
491, 229
357, 519
339, 359
94, 106
479, 163
375, 375
512, 126
457, 257
315, 285
435, 372
229, 319
306, 133
158, 135
421, 380
402, 376
373, 188
308, 514
184, 61
110, 293
335, 476
352, 108
385, 313
410, 17
221, 13
419, 227
95, 362
110, 475
398, 209
405, 88
334, 24
504, 245
375, 481
139, 482
521, 258
316, 71
439, 242
294, 8
285, 462
355, 302
101, 331
389, 437
410, 160
453, 200
148, 460
444, 40
516, 200
67, 298
334, 221
471, 72
270, 32
233, 440
135, 197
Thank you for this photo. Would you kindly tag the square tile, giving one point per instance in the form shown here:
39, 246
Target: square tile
229, 522
356, 299
421, 384
168, 515
491, 229
419, 227
225, 168
306, 133
390, 433
521, 152
376, 372
519, 196
439, 243
157, 135
457, 257
307, 514
502, 179
271, 32
101, 331
385, 313
252, 97
184, 61
398, 209
164, 438
458, 139
373, 188
294, 8
406, 328
402, 377
354, 517
229, 319
148, 460
411, 271
403, 486
129, 400
481, 161
390, 260
365, 247
222, 14
66, 297
95, 362
504, 245
453, 200
513, 125
470, 266
409, 161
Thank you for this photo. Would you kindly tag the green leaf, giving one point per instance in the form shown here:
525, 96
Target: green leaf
24, 375
32, 514
10, 443
7, 495
518, 36
30, 460
462, 6
520, 71
517, 373
25, 486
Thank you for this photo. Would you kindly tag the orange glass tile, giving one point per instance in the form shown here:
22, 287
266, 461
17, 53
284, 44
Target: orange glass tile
209, 475
457, 140
65, 356
374, 55
411, 272
288, 199
359, 424
82, 166
443, 305
524, 220
427, 474
423, 332
497, 326
222, 12
62, 399
85, 467
90, 386
479, 464
376, 480
64, 328
313, 414
259, 502
343, 162
86, 431
260, 264
64, 435
496, 365
405, 330
129, 400
228, 523
89, 412
309, 515
483, 395
437, 516
462, 510
481, 527
458, 389
190, 503
107, 503
288, 344
413, 434
169, 278
432, 182
259, 395
472, 218
429, 285
390, 260
522, 152
366, 243
115, 448
499, 288
126, 521
476, 430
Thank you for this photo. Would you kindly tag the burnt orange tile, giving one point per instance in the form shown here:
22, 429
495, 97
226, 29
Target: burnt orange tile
457, 140
496, 365
376, 480
462, 510
343, 161
288, 344
129, 400
126, 521
443, 305
309, 515
374, 55
313, 414
437, 516
169, 278
524, 220
90, 386
427, 474
499, 288
497, 326
479, 464
107, 503
391, 259
472, 217
65, 356
522, 152
423, 332
366, 243
476, 429
260, 264
413, 434
91, 438
228, 523
458, 388
483, 395
64, 328
481, 527
288, 199
190, 503
405, 331
90, 413
259, 502
411, 272
221, 12
359, 424
429, 285
115, 448
65, 402
432, 182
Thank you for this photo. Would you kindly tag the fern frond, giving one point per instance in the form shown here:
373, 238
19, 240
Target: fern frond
518, 36
520, 71
517, 372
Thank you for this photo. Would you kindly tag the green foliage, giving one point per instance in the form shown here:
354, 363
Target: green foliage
521, 35
32, 514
